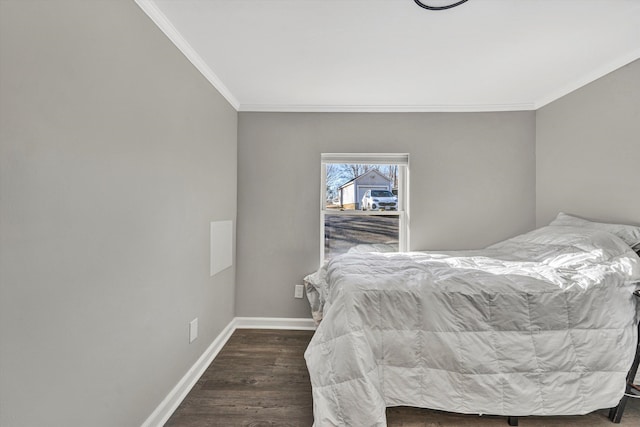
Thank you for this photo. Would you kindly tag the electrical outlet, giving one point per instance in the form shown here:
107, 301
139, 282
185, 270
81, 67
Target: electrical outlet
193, 330
299, 291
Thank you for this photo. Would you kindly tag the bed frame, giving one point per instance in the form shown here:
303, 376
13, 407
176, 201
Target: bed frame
632, 390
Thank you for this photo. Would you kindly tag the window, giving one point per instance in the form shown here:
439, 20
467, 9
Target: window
364, 201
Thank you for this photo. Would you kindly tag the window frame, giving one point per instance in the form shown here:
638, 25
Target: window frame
399, 159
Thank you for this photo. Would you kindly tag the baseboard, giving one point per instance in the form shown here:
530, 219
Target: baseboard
184, 386
171, 402
274, 323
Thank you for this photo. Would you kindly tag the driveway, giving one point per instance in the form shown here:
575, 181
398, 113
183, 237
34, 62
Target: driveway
342, 232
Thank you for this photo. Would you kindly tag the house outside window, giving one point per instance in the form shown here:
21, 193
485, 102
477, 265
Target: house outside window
364, 203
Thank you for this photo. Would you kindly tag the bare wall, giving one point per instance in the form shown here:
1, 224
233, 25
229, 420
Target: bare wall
588, 151
115, 154
472, 184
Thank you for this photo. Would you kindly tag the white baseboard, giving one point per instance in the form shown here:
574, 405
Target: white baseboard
171, 402
184, 386
274, 323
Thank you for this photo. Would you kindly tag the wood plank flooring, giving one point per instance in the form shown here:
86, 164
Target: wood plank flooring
260, 379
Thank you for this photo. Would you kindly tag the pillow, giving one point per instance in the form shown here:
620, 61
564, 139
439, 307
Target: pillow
630, 234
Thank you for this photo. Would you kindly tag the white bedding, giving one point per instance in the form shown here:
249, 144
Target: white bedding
541, 324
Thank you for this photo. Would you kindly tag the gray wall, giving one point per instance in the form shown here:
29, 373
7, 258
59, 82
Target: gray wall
115, 153
588, 151
472, 184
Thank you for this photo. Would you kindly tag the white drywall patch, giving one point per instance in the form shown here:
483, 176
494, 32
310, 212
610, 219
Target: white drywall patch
221, 238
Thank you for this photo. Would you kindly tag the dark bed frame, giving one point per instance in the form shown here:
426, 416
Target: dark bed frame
632, 390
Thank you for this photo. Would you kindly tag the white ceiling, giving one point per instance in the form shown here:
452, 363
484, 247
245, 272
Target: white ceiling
391, 55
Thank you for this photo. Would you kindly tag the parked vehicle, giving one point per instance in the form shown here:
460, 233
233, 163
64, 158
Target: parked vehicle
374, 200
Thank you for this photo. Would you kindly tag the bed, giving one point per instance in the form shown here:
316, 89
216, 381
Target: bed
540, 324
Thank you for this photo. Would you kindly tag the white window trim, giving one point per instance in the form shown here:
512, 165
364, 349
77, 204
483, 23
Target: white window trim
400, 159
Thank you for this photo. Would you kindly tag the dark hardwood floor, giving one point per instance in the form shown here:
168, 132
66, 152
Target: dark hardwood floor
260, 379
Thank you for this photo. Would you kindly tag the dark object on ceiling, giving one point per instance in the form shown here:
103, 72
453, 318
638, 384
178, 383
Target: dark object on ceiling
449, 6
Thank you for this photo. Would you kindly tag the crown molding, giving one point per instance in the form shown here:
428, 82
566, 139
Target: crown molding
151, 9
286, 108
588, 78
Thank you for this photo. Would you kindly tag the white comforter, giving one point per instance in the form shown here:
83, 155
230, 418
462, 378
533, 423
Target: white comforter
541, 324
